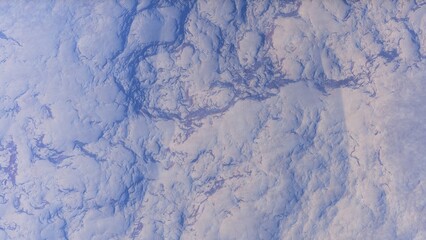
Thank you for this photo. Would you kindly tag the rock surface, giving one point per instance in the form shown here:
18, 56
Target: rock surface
230, 119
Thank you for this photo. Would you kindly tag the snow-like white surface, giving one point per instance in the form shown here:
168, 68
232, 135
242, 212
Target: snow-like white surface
233, 119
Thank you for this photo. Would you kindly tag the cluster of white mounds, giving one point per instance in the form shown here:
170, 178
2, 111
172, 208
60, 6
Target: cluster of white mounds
212, 119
